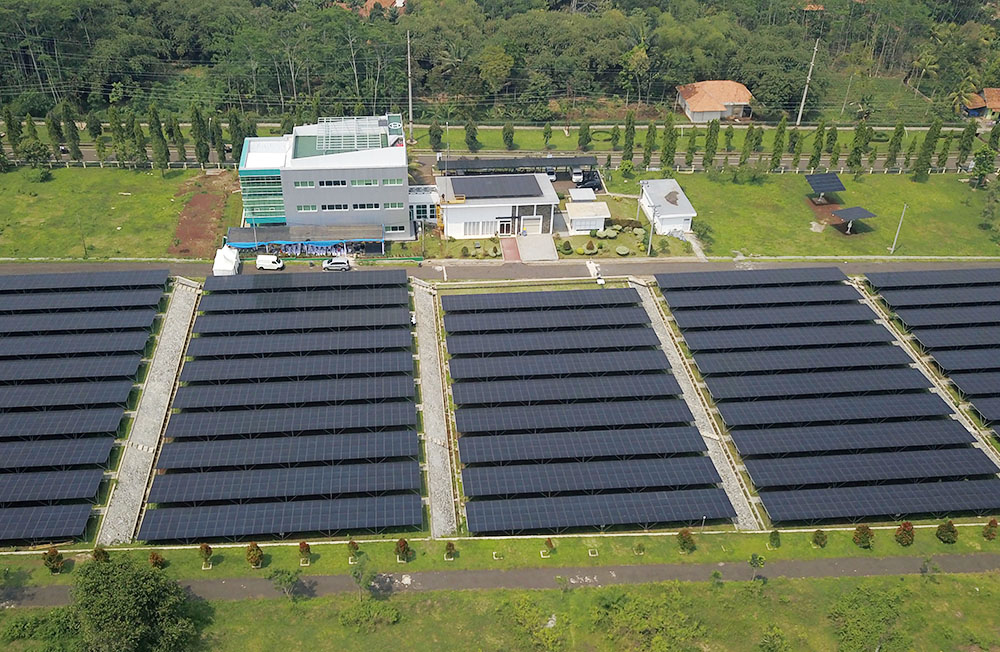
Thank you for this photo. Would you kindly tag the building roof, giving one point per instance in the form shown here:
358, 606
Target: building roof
714, 95
992, 98
975, 101
582, 210
496, 190
514, 163
667, 198
582, 194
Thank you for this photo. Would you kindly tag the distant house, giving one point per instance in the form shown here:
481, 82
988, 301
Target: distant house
984, 105
714, 100
666, 206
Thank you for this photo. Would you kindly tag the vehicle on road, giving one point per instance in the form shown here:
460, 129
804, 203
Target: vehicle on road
269, 262
337, 264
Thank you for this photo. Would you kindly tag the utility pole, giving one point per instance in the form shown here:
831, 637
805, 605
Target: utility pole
805, 90
892, 249
409, 85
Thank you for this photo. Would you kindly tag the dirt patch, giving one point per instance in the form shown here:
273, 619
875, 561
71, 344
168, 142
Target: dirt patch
824, 213
198, 225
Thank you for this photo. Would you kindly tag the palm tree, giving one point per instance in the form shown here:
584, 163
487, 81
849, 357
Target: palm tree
963, 95
926, 63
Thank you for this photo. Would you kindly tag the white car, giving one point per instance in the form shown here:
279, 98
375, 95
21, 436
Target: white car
338, 264
577, 175
551, 173
267, 261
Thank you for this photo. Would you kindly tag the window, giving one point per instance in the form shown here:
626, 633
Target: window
364, 182
335, 182
305, 184
394, 204
395, 229
335, 207
306, 208
365, 207
472, 229
420, 210
392, 182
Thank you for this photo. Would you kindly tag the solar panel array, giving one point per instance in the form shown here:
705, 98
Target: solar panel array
295, 412
70, 348
570, 417
831, 419
955, 315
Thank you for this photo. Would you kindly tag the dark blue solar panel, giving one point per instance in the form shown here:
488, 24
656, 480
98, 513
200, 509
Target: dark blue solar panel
340, 365
989, 408
49, 486
395, 338
767, 296
506, 301
964, 316
76, 322
816, 383
947, 338
853, 213
949, 296
267, 322
298, 392
48, 523
596, 339
50, 345
580, 445
982, 384
264, 301
824, 182
286, 282
968, 359
851, 437
563, 389
801, 359
113, 392
16, 425
935, 278
749, 278
781, 316
817, 410
579, 416
50, 301
90, 368
543, 320
55, 452
291, 420
606, 362
80, 280
768, 338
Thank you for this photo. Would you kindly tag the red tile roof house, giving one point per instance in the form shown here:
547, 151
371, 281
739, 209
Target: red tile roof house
714, 100
984, 105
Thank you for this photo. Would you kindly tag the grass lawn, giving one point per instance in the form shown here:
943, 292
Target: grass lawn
893, 100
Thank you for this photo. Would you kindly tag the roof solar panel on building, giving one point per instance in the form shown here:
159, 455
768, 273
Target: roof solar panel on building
302, 321
543, 319
515, 479
945, 296
271, 282
292, 420
49, 485
501, 186
581, 415
112, 392
749, 278
895, 500
968, 359
288, 450
604, 362
90, 367
869, 467
43, 523
816, 383
947, 338
580, 445
844, 357
77, 322
595, 339
767, 296
981, 384
647, 508
818, 410
935, 278
988, 408
563, 389
296, 392
81, 280
966, 315
126, 341
851, 437
341, 365
825, 182
285, 483
781, 338
263, 301
17, 425
50, 301
538, 300
239, 345
779, 316
281, 518
54, 452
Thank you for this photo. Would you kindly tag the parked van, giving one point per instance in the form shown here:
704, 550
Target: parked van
338, 264
267, 261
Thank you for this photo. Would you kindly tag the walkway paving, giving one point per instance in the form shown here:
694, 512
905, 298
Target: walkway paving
432, 397
537, 248
510, 252
122, 515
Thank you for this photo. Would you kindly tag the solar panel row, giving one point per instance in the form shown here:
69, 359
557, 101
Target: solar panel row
99, 281
49, 453
63, 345
958, 338
849, 313
563, 389
844, 357
325, 299
296, 392
511, 301
946, 296
82, 368
815, 383
754, 278
567, 364
291, 282
934, 278
77, 322
890, 435
265, 322
49, 486
544, 320
63, 301
289, 344
113, 392
580, 445
595, 339
579, 416
786, 338
312, 366
768, 296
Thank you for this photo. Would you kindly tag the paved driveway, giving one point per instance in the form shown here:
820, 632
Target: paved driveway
535, 248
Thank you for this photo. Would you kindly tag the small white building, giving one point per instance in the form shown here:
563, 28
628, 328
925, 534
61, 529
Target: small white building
714, 100
666, 206
586, 216
582, 194
481, 206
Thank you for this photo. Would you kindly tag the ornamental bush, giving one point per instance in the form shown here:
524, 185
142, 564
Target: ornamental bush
99, 554
304, 550
567, 247
156, 560
255, 556
53, 560
990, 530
947, 532
774, 539
205, 551
352, 548
685, 540
402, 549
904, 534
819, 538
864, 537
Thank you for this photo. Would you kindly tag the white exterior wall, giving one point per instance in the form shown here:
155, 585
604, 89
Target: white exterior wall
456, 215
579, 226
665, 225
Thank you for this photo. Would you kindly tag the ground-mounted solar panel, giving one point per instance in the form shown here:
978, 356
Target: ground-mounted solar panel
988, 408
282, 518
330, 419
945, 296
308, 281
508, 301
51, 453
838, 410
267, 322
112, 392
853, 357
963, 316
544, 320
935, 278
870, 467
61, 301
588, 340
290, 367
48, 486
317, 299
891, 435
823, 182
90, 367
247, 345
958, 338
779, 316
568, 364
579, 416
519, 479
298, 392
563, 389
816, 383
603, 510
978, 384
48, 523
21, 425
83, 280
761, 296
310, 481
53, 345
77, 322
890, 500
749, 278
785, 338
246, 453
968, 359
580, 445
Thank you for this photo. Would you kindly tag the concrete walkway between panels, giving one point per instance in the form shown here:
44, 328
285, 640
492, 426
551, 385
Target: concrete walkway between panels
123, 510
745, 519
432, 398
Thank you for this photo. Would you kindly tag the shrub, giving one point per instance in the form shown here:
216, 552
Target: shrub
352, 548
947, 532
205, 551
99, 554
304, 550
622, 251
567, 247
403, 549
819, 539
156, 560
53, 560
254, 554
863, 536
368, 615
593, 233
449, 548
465, 252
579, 251
639, 548
685, 540
627, 168
904, 534
549, 544
774, 539
990, 530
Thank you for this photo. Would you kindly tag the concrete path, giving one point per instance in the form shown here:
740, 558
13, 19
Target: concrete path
122, 516
537, 248
510, 251
432, 397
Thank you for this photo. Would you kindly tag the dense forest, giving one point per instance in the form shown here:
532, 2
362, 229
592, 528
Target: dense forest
527, 60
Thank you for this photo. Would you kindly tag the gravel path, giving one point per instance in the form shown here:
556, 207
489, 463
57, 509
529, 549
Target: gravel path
745, 519
432, 396
122, 514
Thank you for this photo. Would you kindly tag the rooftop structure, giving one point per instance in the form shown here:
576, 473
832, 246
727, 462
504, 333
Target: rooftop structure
714, 100
502, 204
666, 205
